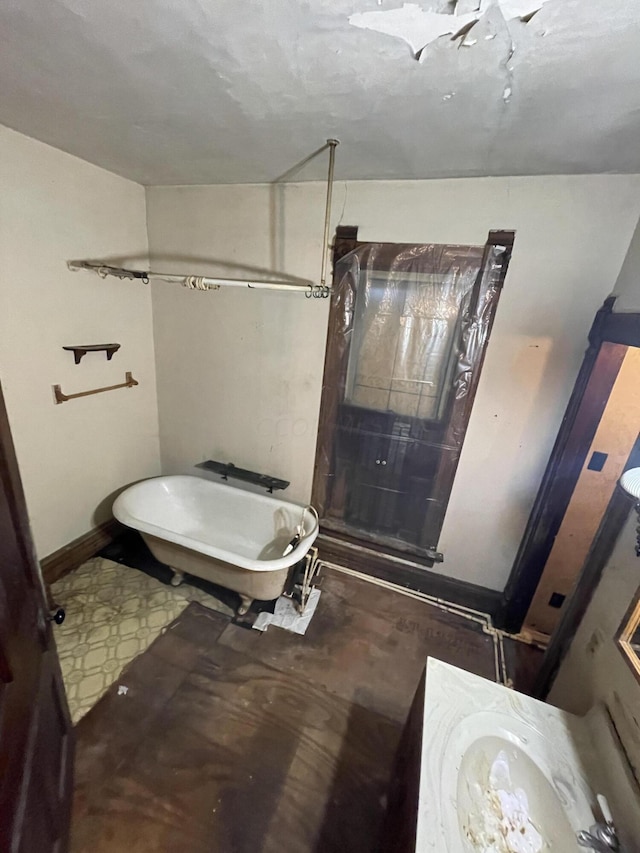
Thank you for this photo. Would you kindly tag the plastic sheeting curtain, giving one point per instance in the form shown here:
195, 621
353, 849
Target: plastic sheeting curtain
407, 333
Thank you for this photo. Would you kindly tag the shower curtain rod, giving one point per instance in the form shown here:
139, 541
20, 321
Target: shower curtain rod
205, 282
193, 282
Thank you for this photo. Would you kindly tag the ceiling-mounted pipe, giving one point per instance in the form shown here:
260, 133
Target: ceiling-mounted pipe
332, 143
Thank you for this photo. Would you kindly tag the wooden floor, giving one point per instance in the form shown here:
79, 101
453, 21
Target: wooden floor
232, 741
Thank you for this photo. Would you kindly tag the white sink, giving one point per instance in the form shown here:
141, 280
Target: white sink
506, 803
501, 773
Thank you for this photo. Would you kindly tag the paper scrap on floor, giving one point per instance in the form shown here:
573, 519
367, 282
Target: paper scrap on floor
286, 615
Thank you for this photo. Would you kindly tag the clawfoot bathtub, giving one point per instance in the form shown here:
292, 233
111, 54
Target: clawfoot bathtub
220, 533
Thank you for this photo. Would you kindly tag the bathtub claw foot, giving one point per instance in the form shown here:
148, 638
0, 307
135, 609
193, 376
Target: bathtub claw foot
245, 604
177, 578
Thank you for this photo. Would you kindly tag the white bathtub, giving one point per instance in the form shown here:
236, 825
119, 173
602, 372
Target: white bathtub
225, 535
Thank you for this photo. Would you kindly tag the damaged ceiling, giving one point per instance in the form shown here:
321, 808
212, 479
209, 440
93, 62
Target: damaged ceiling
419, 26
216, 91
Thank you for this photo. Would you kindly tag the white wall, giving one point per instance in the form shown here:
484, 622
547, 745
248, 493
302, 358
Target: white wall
627, 287
594, 669
54, 207
239, 372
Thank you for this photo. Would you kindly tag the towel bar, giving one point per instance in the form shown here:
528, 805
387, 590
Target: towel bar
129, 382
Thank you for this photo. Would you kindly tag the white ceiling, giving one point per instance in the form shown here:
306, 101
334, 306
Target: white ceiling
223, 91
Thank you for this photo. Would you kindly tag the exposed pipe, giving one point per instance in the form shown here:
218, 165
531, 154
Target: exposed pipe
477, 616
332, 143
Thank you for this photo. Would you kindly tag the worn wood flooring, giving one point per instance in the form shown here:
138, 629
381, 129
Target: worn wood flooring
232, 741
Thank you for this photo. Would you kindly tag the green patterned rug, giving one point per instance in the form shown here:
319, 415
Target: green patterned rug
113, 613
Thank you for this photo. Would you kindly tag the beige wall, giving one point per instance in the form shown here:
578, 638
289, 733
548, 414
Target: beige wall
627, 287
594, 669
73, 456
239, 372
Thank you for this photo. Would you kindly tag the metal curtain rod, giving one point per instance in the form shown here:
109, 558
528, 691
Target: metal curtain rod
205, 282
193, 282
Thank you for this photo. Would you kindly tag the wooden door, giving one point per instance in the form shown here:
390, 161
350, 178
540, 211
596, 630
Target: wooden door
605, 460
36, 736
609, 338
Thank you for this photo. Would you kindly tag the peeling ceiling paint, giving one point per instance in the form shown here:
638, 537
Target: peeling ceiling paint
420, 26
413, 24
209, 91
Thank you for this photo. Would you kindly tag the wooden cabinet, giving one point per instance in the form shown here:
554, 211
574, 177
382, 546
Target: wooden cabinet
387, 464
408, 328
401, 822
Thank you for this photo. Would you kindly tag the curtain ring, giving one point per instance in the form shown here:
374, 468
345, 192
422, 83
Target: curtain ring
308, 293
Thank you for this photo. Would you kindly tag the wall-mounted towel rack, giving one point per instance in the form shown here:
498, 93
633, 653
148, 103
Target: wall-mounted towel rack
129, 382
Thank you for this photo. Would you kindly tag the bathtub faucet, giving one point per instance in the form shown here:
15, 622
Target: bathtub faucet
602, 838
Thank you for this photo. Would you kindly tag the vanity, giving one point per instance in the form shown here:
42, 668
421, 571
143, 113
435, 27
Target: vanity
484, 769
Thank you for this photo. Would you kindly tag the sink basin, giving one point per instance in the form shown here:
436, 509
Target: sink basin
501, 773
506, 804
508, 788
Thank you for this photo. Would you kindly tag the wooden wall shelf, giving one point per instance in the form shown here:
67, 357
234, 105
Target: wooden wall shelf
82, 349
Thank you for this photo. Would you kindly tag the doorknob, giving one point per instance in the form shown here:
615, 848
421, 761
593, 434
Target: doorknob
57, 615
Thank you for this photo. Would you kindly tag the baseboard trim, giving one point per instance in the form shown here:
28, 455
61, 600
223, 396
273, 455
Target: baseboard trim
70, 556
405, 573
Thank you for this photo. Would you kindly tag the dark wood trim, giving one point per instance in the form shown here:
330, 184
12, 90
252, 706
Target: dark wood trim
406, 573
378, 542
502, 238
70, 556
572, 613
346, 240
491, 276
620, 328
567, 459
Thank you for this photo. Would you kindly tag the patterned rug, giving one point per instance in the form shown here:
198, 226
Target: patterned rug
113, 613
